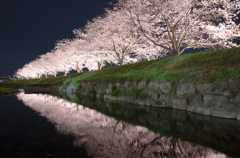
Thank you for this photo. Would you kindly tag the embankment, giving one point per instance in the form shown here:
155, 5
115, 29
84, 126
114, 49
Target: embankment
218, 99
207, 83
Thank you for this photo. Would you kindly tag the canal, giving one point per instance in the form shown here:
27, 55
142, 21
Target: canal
42, 125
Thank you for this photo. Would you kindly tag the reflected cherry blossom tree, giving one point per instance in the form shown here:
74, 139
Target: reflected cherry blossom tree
104, 136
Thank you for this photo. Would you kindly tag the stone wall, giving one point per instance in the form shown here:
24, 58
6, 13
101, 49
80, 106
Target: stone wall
212, 99
37, 88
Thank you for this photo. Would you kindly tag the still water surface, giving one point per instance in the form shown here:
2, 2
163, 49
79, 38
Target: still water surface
40, 125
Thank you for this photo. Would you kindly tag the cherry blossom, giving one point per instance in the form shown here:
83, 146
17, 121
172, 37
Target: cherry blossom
178, 25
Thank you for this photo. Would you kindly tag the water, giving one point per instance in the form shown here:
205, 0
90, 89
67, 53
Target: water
23, 133
40, 125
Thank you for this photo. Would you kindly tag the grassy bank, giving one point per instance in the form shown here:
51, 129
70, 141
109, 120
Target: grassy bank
208, 66
11, 87
211, 66
7, 90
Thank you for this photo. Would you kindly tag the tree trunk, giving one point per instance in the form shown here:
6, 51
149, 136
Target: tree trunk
175, 53
79, 69
99, 65
55, 74
121, 62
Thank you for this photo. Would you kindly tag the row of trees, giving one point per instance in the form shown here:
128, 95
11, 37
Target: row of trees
147, 28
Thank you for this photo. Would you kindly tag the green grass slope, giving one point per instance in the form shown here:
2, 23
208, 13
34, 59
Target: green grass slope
210, 66
7, 90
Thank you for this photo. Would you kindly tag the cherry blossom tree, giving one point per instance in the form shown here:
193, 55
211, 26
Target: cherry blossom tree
95, 47
50, 63
121, 34
178, 25
67, 55
33, 69
26, 72
41, 67
115, 33
98, 59
77, 54
67, 49
63, 62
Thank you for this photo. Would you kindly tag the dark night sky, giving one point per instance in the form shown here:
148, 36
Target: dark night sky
29, 28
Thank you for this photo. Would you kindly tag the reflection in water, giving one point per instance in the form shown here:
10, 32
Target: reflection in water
103, 136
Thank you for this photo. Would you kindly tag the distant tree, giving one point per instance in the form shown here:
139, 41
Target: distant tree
25, 72
77, 54
50, 63
64, 51
74, 53
33, 69
96, 49
178, 25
